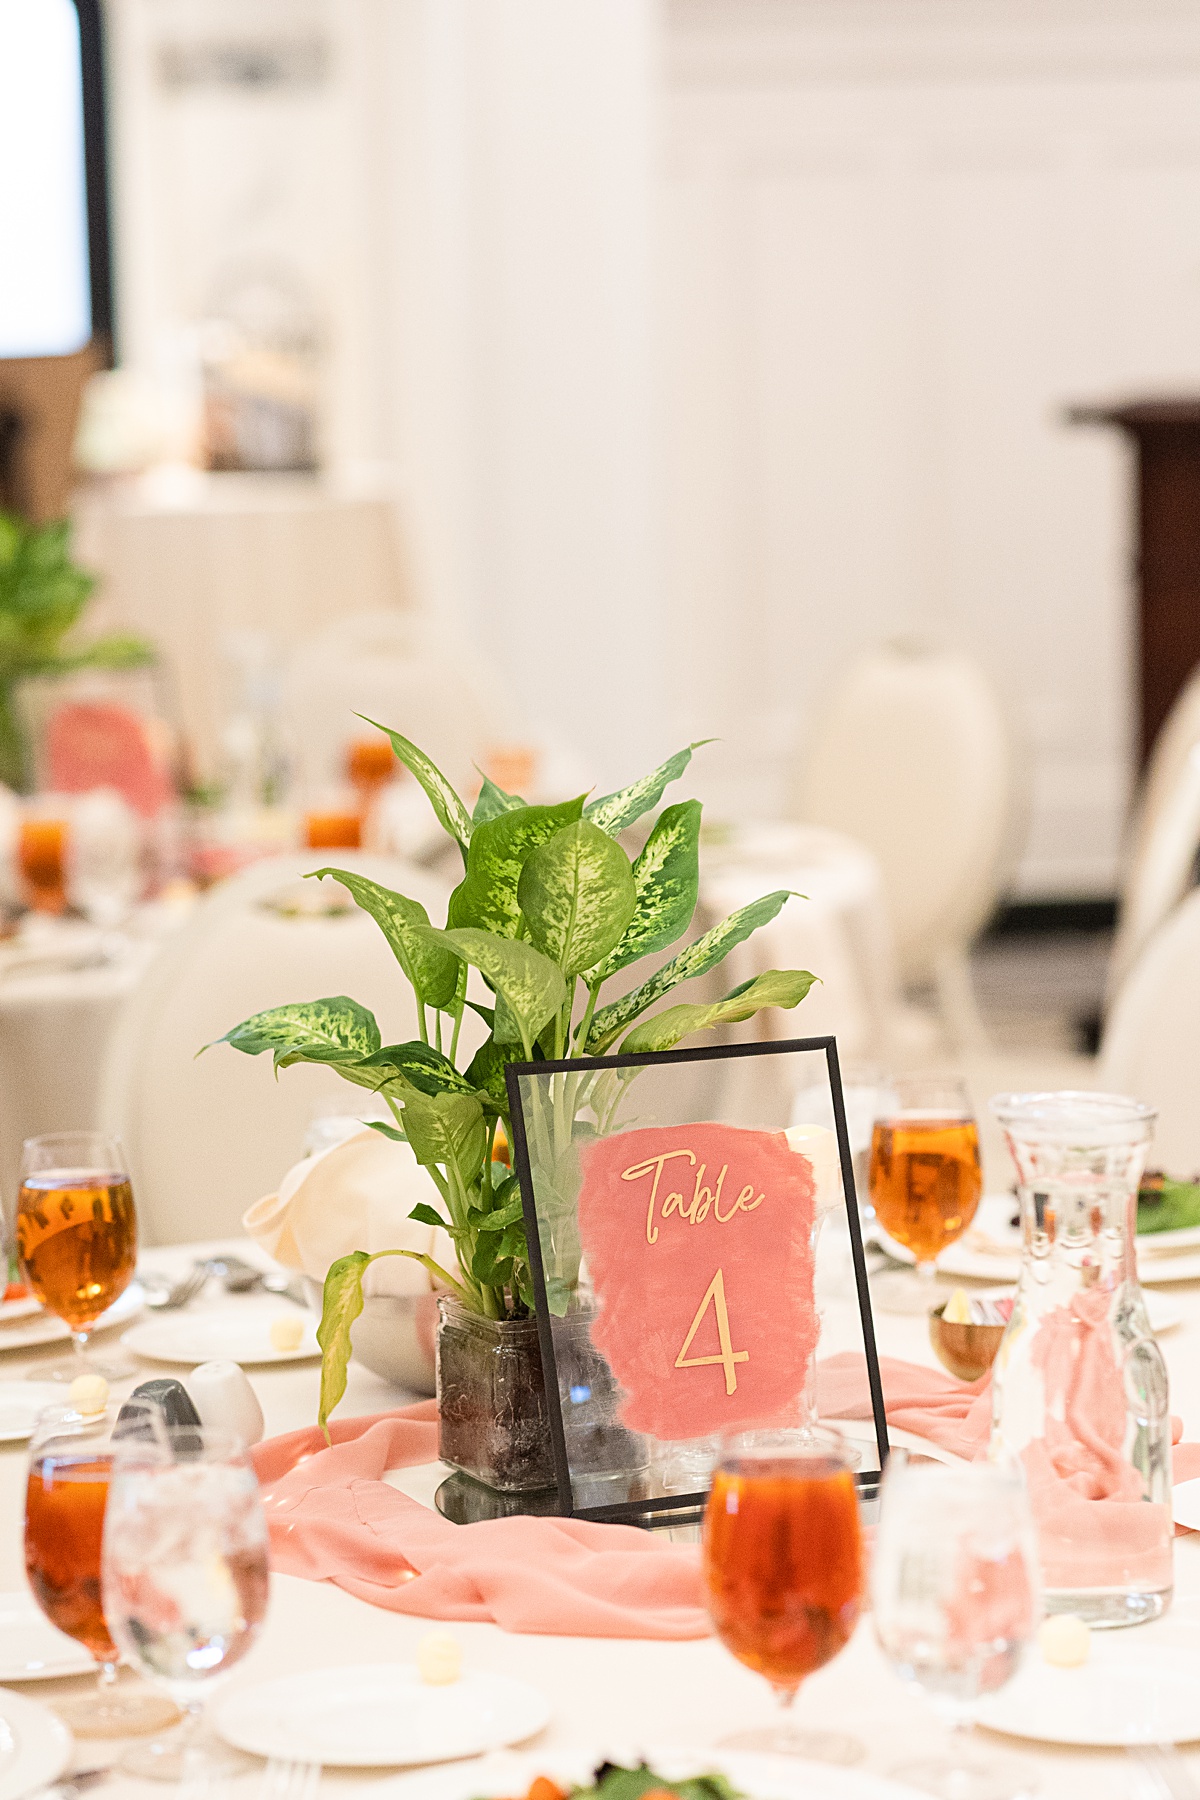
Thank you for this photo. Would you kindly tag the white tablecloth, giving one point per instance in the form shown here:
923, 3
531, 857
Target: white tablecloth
621, 1692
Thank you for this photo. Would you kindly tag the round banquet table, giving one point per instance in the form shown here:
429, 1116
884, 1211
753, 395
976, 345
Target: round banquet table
836, 925
611, 1694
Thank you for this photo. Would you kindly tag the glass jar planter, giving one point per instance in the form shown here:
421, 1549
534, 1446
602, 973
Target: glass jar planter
493, 1416
1079, 1385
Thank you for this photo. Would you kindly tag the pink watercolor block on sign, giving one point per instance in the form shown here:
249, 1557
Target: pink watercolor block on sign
698, 1242
92, 744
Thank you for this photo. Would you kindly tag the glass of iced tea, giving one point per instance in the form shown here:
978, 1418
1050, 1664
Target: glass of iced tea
42, 857
76, 1237
784, 1569
925, 1177
185, 1580
70, 1463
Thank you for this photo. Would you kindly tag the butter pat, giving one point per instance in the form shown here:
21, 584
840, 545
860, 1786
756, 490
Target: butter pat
287, 1332
439, 1659
957, 1310
89, 1395
1064, 1641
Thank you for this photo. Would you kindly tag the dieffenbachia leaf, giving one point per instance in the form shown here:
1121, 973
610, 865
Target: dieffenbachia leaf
341, 1303
446, 1129
666, 879
335, 1030
486, 897
492, 802
696, 959
531, 986
613, 812
775, 987
487, 1066
432, 972
452, 815
577, 895
420, 1065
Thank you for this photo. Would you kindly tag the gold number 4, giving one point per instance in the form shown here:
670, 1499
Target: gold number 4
728, 1355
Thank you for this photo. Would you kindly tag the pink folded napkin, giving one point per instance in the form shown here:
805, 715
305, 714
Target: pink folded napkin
332, 1518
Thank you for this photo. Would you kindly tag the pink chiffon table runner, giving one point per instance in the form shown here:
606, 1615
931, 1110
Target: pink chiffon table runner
332, 1517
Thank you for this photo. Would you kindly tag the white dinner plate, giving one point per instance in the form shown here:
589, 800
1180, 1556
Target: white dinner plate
238, 1331
43, 1328
35, 1746
758, 1777
30, 1647
1125, 1693
20, 1404
22, 1308
990, 1249
378, 1715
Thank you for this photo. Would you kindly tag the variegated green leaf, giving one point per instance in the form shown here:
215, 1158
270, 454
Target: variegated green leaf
341, 1303
492, 802
446, 1129
418, 1064
487, 1066
486, 897
577, 896
666, 878
452, 815
432, 972
775, 987
613, 812
333, 1030
531, 986
696, 959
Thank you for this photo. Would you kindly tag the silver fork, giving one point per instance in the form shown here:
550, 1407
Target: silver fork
184, 1290
283, 1780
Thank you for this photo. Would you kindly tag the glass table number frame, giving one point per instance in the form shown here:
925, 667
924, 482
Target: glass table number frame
608, 1464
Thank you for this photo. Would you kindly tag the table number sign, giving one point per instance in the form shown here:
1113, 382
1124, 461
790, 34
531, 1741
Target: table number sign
698, 1241
672, 1249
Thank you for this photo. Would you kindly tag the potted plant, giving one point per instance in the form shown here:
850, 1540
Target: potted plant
42, 595
549, 911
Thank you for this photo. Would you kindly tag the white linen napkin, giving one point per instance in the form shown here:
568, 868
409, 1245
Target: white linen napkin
357, 1195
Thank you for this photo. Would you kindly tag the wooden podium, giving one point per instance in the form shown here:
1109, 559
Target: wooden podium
1167, 558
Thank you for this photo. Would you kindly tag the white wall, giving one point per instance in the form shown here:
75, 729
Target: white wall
902, 236
708, 356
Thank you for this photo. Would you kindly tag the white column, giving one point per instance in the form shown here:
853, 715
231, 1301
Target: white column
522, 168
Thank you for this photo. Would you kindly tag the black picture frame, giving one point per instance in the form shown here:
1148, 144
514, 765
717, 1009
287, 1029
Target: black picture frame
96, 174
682, 1508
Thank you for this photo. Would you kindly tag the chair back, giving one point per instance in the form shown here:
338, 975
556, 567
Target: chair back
1151, 1046
913, 758
393, 668
207, 1135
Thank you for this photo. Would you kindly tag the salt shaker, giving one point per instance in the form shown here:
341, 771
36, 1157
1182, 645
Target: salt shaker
222, 1395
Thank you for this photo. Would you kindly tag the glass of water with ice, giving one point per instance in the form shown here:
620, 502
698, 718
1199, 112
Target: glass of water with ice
185, 1563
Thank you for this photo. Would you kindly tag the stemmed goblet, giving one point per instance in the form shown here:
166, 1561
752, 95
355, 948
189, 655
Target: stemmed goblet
66, 1499
185, 1581
926, 1179
77, 1238
784, 1569
954, 1586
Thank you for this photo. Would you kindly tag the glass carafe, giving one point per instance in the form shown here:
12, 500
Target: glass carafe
1079, 1387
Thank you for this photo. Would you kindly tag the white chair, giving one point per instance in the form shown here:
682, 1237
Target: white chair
1151, 1046
913, 758
394, 668
206, 1136
1164, 834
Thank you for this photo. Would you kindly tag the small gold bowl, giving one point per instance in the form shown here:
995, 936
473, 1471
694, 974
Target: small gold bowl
968, 1351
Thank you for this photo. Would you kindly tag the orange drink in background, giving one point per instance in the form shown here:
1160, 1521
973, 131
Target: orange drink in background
42, 855
64, 1526
371, 763
77, 1240
926, 1178
333, 830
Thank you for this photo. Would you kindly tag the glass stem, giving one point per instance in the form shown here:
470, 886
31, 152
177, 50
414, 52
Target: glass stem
107, 1677
80, 1341
927, 1273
